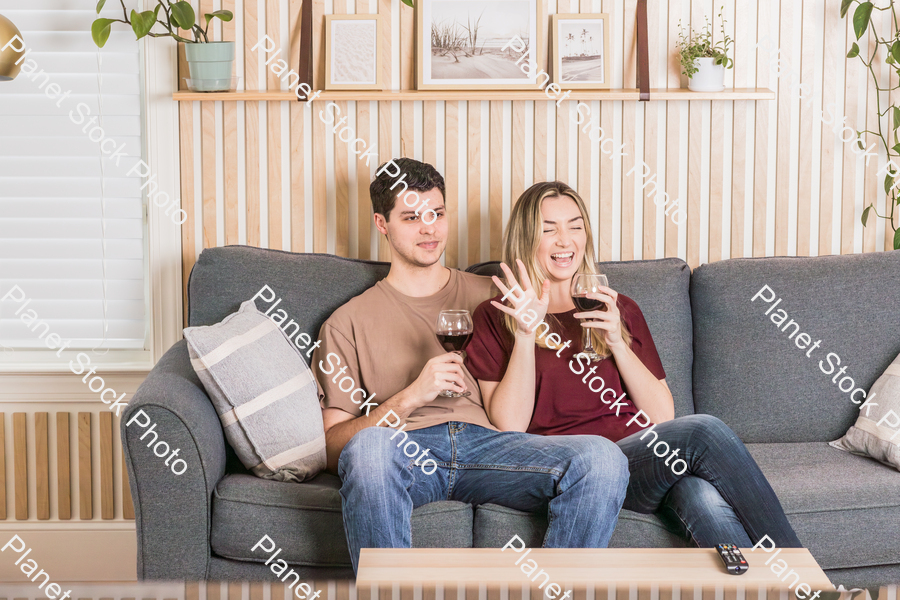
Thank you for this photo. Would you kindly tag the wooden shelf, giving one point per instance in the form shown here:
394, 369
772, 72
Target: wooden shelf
618, 94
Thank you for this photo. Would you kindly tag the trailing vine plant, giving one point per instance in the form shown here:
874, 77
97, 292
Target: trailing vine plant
862, 20
175, 15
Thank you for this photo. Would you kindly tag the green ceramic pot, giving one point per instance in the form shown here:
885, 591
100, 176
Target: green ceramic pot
210, 64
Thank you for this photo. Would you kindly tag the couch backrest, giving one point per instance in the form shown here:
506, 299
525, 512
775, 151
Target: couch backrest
750, 374
311, 286
660, 288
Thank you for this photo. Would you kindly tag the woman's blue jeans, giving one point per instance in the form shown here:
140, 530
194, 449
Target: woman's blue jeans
722, 498
579, 480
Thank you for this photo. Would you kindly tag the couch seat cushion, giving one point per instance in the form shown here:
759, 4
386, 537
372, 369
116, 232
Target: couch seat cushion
495, 525
304, 519
844, 508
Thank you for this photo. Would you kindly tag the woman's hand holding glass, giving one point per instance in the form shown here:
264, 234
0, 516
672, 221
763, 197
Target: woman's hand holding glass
608, 320
537, 301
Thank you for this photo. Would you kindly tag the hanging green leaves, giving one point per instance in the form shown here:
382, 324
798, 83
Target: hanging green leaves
100, 31
861, 18
176, 15
142, 23
844, 6
865, 215
183, 15
225, 15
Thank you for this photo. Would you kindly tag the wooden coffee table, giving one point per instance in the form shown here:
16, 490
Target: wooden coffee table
583, 568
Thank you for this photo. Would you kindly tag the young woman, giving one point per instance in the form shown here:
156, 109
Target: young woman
532, 381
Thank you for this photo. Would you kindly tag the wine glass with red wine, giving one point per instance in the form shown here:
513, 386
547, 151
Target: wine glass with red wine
454, 330
582, 285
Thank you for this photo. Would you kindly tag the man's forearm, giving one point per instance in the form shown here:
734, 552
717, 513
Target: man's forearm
339, 434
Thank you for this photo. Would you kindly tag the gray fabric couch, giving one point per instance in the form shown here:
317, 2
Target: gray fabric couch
722, 355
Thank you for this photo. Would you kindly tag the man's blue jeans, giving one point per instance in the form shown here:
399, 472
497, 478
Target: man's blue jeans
722, 498
580, 480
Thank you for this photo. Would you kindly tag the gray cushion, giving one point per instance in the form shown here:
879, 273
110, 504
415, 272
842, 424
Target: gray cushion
226, 569
875, 432
305, 521
635, 530
660, 288
311, 286
495, 525
844, 508
265, 394
749, 374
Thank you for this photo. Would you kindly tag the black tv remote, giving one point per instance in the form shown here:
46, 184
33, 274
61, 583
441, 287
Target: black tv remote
733, 559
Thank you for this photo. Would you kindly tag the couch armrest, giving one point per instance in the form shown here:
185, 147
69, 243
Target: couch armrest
172, 511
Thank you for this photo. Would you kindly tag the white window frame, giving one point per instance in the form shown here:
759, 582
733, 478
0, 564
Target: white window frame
159, 58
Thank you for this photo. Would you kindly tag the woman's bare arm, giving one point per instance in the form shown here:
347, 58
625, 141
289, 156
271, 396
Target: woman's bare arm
509, 404
648, 393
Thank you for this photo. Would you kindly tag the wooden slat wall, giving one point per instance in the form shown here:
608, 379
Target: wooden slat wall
42, 452
342, 590
85, 491
755, 178
55, 503
2, 466
63, 467
21, 465
107, 506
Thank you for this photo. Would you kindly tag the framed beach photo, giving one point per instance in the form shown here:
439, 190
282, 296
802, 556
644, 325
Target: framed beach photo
477, 44
353, 52
579, 57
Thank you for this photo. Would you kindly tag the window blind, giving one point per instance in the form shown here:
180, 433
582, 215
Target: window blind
71, 216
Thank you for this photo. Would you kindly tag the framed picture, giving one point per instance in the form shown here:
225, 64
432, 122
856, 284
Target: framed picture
477, 44
580, 50
353, 52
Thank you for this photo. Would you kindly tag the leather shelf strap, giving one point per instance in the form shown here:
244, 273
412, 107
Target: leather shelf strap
643, 61
306, 45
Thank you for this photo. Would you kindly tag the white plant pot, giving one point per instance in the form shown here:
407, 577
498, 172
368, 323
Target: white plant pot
708, 78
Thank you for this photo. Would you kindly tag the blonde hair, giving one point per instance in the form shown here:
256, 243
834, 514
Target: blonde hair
521, 240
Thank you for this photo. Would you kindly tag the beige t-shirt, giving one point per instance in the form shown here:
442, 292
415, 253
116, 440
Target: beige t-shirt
384, 338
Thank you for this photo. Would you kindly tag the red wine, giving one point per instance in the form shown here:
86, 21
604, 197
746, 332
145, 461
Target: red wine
454, 342
586, 304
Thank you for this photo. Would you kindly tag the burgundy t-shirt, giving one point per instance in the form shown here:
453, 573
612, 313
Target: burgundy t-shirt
564, 402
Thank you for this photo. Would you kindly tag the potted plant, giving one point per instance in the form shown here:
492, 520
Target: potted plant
703, 60
210, 63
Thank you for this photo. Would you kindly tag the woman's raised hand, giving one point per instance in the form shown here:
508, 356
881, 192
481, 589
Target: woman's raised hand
527, 298
608, 320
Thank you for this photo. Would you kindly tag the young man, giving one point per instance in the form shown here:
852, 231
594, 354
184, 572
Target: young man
385, 341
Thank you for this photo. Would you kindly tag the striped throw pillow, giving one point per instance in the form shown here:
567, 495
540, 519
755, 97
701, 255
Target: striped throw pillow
877, 434
264, 392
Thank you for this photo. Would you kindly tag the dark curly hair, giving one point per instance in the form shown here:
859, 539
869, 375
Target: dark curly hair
419, 177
